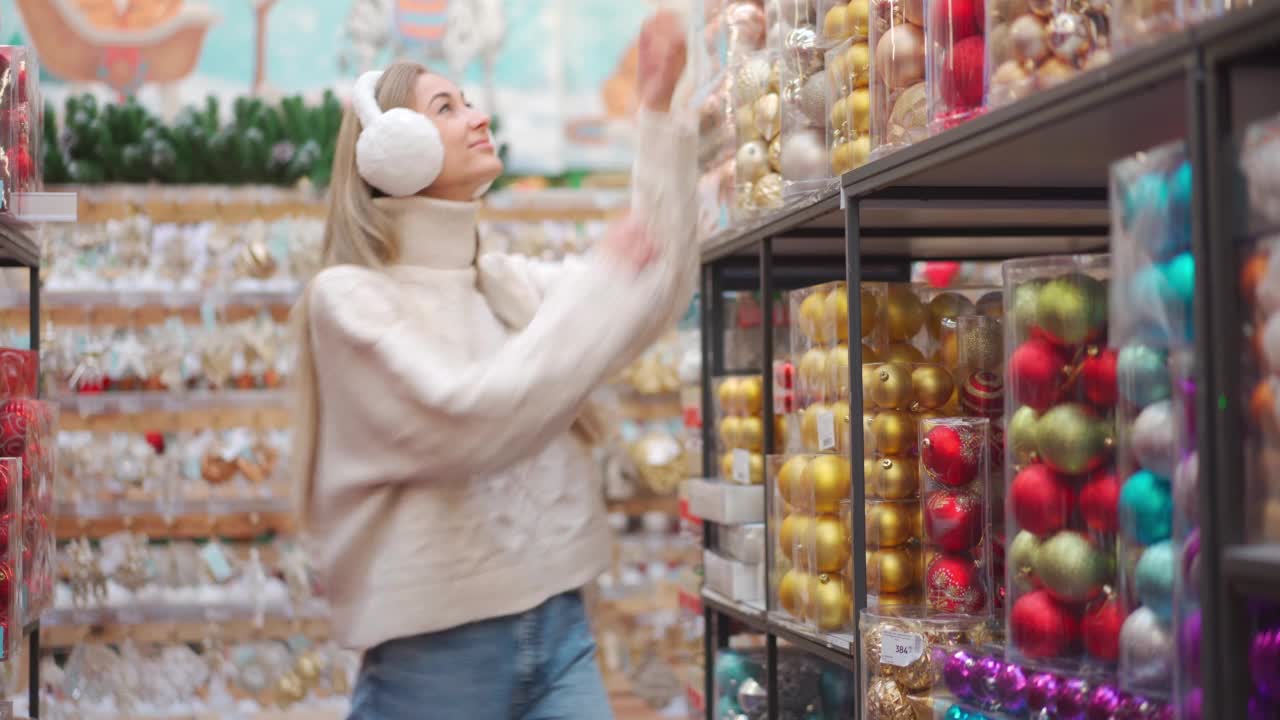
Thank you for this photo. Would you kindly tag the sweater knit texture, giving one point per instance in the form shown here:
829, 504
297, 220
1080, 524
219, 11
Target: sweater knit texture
447, 486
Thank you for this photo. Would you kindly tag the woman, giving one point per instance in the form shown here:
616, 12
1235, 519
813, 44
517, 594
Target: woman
453, 514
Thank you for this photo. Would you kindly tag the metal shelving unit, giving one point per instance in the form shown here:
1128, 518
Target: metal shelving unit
1031, 179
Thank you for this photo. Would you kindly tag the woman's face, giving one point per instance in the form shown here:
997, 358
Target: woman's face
470, 157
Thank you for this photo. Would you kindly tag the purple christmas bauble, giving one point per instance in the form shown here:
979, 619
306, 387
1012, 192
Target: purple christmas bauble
1011, 688
984, 680
958, 673
1136, 707
1072, 700
1264, 662
1189, 643
1042, 691
1103, 703
1193, 705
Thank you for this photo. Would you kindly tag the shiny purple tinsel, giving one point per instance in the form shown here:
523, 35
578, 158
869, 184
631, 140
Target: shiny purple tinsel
984, 680
1189, 643
1011, 688
1103, 703
1072, 700
1264, 663
958, 673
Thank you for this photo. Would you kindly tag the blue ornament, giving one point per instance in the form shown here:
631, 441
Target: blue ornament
1148, 194
955, 712
732, 669
1180, 277
1142, 374
1180, 188
839, 691
1150, 299
727, 708
1146, 508
1153, 578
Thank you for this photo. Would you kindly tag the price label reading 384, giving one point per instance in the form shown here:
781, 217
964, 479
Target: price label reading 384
900, 649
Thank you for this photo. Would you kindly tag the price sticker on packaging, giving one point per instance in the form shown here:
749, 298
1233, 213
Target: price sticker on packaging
742, 466
826, 430
900, 649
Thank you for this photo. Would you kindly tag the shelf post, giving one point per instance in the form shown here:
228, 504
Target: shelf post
853, 280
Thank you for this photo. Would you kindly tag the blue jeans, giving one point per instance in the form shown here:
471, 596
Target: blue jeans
539, 665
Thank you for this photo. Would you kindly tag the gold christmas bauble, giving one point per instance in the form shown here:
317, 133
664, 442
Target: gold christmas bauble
860, 110
904, 313
895, 432
838, 370
775, 155
731, 432
859, 150
980, 344
843, 420
832, 602
869, 354
947, 305
868, 435
727, 393
870, 313
894, 600
829, 479
813, 317
789, 476
948, 352
858, 58
767, 115
886, 700
834, 25
837, 313
767, 192
751, 394
726, 466
895, 478
751, 433
869, 469
780, 439
840, 118
308, 669
892, 570
831, 546
809, 426
892, 386
933, 386
869, 381
796, 538
857, 16
901, 352
842, 160
813, 372
890, 524
290, 690
744, 120
793, 592
755, 468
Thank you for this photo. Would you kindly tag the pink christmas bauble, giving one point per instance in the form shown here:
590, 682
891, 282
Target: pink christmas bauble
900, 56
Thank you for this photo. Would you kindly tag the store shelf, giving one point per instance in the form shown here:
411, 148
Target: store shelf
66, 628
239, 519
833, 649
752, 617
192, 411
51, 298
1253, 569
46, 207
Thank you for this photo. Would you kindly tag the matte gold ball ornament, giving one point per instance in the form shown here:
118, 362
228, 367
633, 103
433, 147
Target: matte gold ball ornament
727, 393
836, 312
731, 435
751, 433
933, 386
947, 305
838, 370
793, 592
890, 524
904, 313
809, 436
902, 352
813, 317
796, 536
789, 476
832, 602
892, 570
870, 312
830, 544
894, 431
830, 479
751, 394
813, 371
895, 478
870, 378
892, 388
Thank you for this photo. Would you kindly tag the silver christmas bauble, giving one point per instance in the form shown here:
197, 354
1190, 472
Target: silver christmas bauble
1153, 439
1146, 649
752, 161
752, 697
804, 51
811, 100
1027, 38
751, 80
1069, 36
804, 156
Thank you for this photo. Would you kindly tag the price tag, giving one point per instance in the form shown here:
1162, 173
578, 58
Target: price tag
742, 466
900, 649
826, 430
216, 560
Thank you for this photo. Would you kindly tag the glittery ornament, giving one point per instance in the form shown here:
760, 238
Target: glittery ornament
908, 120
1071, 567
1073, 699
1020, 434
962, 74
1042, 692
775, 155
1072, 309
890, 524
892, 570
1099, 501
1146, 649
904, 313
1054, 72
984, 679
1041, 499
1011, 688
894, 432
1143, 375
953, 520
1010, 81
767, 192
1027, 37
887, 701
1153, 579
767, 116
751, 81
832, 603
892, 388
1069, 36
803, 48
1071, 439
1153, 439
953, 584
1146, 508
1101, 630
1036, 373
921, 674
752, 696
1264, 663
952, 453
811, 99
982, 394
894, 479
932, 385
958, 674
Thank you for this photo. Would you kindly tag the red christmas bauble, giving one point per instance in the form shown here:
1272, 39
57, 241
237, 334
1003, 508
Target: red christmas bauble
156, 440
952, 454
997, 569
1041, 498
6, 521
6, 588
953, 520
1098, 378
956, 20
1042, 627
21, 167
6, 482
982, 394
784, 375
1101, 630
962, 82
980, 14
15, 419
953, 584
1100, 501
1036, 373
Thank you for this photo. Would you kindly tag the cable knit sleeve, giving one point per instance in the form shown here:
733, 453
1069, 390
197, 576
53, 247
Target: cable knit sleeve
457, 419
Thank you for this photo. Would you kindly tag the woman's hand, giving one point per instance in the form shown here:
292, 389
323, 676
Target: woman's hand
629, 242
662, 58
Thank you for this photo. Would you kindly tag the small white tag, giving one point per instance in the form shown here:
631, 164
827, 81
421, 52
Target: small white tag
742, 466
216, 560
826, 430
900, 649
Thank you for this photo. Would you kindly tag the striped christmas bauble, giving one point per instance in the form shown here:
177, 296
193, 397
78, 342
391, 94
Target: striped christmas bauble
982, 394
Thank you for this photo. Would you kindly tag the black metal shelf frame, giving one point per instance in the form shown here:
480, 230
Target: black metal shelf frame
1012, 183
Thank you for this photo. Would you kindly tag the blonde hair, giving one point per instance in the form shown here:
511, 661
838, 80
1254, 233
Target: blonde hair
356, 232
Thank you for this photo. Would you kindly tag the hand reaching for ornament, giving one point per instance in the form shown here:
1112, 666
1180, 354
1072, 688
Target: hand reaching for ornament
661, 60
629, 241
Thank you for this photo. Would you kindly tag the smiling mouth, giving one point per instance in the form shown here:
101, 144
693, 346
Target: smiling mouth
482, 145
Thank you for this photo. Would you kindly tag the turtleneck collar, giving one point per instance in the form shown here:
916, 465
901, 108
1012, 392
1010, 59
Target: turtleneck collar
436, 234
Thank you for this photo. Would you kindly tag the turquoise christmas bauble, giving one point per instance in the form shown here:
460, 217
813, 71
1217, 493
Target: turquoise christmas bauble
1152, 306
1180, 277
732, 669
1153, 579
1147, 194
839, 691
1180, 188
955, 712
727, 708
1146, 508
1072, 309
1142, 374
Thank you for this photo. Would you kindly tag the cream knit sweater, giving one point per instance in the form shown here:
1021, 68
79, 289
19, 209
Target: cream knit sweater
447, 487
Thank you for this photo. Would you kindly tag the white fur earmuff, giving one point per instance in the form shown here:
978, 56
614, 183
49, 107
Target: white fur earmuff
399, 151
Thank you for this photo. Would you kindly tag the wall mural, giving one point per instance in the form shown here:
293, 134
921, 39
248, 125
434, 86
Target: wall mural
559, 74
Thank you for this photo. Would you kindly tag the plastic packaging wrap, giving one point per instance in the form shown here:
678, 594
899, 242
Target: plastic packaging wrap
820, 354
899, 103
1037, 44
21, 121
955, 56
803, 82
740, 428
1151, 329
848, 68
1061, 482
12, 549
902, 660
955, 500
756, 112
